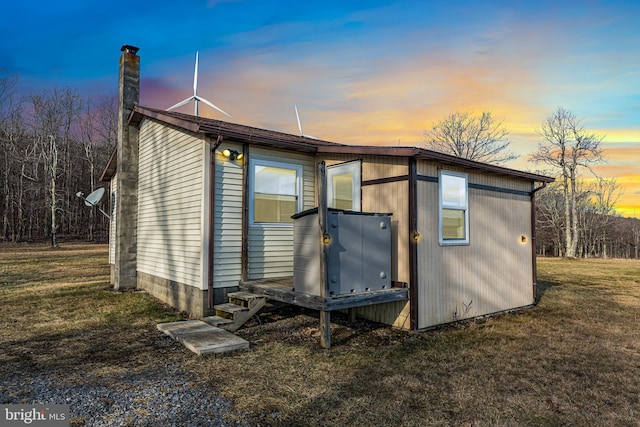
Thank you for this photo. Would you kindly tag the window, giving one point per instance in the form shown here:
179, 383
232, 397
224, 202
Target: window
454, 208
343, 189
275, 190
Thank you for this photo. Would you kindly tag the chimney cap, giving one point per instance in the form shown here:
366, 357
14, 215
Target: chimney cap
129, 49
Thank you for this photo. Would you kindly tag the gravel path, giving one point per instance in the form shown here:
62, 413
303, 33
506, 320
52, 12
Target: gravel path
167, 397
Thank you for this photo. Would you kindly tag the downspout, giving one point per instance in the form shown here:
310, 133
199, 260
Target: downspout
212, 198
413, 244
534, 242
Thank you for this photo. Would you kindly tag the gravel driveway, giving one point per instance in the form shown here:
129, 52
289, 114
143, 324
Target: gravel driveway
155, 397
148, 389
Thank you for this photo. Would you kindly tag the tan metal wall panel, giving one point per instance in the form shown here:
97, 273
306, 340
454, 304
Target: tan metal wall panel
390, 197
427, 168
373, 167
492, 274
170, 200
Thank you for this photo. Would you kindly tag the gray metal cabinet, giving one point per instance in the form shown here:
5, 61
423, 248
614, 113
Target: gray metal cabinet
358, 255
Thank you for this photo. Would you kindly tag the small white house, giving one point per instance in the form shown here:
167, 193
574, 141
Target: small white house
203, 207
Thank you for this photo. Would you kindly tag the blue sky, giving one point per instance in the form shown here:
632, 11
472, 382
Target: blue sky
374, 72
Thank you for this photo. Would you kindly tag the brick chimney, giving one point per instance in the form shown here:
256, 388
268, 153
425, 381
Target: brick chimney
126, 206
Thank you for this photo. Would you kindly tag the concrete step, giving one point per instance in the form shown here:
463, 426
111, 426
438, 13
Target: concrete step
202, 338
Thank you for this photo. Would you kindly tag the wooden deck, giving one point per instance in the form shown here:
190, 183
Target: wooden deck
281, 289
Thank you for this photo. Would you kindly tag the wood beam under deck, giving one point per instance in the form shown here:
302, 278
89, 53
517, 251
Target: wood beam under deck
281, 289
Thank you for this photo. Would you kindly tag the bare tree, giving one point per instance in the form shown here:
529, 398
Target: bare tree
54, 115
606, 192
97, 134
9, 134
44, 161
106, 124
550, 221
566, 148
478, 138
634, 229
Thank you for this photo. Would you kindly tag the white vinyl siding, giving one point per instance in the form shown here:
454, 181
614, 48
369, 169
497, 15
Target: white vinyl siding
227, 217
271, 245
171, 191
112, 223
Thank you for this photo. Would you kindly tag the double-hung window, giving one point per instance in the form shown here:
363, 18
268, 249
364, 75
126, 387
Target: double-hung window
275, 190
454, 208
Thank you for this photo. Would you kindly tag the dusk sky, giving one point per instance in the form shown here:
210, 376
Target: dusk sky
360, 72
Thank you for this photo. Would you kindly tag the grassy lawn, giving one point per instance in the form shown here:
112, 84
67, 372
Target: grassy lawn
574, 359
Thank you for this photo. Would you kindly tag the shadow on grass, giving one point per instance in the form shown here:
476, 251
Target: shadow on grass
86, 353
543, 286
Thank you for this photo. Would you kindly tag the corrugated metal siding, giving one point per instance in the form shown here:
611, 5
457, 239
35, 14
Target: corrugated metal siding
271, 247
431, 169
373, 167
170, 198
227, 233
390, 197
112, 223
493, 273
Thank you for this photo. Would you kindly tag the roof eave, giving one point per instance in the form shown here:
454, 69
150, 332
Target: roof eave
421, 153
247, 134
110, 169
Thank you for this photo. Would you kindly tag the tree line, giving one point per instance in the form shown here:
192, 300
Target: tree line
575, 215
53, 145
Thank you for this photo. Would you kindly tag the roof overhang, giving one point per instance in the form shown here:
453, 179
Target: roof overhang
110, 168
279, 140
421, 153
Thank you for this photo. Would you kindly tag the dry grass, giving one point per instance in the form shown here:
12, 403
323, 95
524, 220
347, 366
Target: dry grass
572, 360
59, 315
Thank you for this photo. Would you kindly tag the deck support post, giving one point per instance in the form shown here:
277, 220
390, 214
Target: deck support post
351, 313
325, 317
325, 329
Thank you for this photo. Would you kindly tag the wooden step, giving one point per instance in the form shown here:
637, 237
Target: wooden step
229, 310
246, 299
217, 321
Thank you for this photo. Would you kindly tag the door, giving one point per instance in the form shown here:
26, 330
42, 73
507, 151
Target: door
343, 186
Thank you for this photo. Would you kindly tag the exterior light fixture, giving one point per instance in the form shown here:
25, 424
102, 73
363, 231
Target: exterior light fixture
232, 154
523, 239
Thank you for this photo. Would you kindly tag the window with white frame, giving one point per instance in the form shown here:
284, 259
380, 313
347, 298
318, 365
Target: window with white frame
344, 185
275, 191
454, 208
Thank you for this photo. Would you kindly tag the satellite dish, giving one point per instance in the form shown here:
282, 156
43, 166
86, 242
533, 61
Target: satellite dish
93, 198
195, 96
300, 126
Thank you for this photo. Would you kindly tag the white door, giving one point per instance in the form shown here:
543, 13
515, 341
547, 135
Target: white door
343, 186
